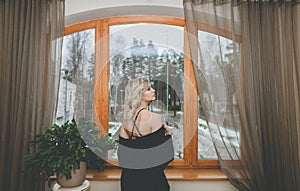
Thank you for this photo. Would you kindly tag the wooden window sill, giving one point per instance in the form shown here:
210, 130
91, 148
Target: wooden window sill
173, 174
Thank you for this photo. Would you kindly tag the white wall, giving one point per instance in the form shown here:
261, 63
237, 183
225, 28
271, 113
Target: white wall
77, 6
78, 11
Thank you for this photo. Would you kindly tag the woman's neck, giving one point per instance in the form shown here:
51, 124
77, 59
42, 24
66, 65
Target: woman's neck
144, 105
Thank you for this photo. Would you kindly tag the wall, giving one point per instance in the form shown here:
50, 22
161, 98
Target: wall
77, 6
78, 11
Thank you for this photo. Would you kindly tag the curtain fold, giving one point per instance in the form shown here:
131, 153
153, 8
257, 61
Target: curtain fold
31, 36
256, 75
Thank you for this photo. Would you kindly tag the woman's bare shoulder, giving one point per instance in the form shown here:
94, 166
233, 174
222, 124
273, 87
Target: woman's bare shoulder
156, 116
145, 115
127, 124
155, 122
148, 116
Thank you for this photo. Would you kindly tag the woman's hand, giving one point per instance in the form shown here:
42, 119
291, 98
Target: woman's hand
168, 131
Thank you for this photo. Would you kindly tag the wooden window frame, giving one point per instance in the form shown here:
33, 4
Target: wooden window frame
101, 92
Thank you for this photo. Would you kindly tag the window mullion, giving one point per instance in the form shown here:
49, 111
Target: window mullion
190, 109
101, 75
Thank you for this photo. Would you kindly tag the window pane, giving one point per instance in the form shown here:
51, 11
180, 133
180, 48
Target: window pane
218, 65
76, 90
206, 148
153, 51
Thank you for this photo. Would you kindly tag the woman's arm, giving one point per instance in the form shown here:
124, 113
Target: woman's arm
123, 133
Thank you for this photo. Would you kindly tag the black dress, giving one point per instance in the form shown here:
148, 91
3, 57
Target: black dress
143, 160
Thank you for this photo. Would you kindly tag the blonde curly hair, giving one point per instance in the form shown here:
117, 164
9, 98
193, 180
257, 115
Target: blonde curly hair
133, 96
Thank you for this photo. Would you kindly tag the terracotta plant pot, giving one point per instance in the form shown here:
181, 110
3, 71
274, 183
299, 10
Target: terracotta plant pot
77, 177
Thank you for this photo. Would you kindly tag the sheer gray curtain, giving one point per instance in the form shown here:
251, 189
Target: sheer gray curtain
30, 49
256, 129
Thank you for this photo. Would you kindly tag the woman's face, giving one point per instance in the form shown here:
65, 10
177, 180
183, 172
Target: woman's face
149, 94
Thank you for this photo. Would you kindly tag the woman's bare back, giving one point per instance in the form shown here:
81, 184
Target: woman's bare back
146, 123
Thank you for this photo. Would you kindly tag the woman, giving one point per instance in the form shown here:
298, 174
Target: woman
145, 143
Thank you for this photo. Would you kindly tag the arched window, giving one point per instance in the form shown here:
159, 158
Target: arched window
100, 56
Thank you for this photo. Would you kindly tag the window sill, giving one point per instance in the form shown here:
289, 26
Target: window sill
173, 174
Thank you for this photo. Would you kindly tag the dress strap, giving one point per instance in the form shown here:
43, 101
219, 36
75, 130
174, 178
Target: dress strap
138, 113
134, 123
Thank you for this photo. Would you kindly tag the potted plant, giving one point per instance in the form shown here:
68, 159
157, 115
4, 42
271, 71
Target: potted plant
64, 150
98, 145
